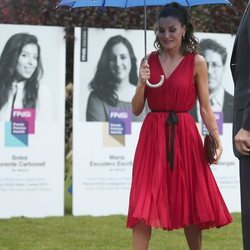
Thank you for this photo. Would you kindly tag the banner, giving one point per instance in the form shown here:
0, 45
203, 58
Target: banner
105, 131
32, 113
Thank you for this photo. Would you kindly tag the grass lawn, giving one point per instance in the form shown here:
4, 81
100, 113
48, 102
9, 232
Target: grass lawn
104, 233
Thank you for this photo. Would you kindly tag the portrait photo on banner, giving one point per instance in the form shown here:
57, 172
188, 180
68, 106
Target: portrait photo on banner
216, 49
109, 63
29, 71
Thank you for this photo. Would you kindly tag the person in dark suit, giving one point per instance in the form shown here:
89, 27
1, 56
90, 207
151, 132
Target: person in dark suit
221, 101
240, 67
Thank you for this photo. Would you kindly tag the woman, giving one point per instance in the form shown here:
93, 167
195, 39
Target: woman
20, 71
172, 185
114, 82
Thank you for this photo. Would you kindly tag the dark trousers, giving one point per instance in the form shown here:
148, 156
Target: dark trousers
245, 199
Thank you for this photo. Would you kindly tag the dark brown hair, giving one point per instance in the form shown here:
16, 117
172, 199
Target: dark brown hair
8, 63
189, 43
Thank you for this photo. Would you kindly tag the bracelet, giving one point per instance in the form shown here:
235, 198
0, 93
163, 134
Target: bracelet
212, 130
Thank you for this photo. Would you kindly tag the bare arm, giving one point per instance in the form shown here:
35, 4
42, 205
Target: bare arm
201, 79
138, 100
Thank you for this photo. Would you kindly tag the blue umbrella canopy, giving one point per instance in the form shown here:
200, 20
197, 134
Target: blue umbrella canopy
137, 3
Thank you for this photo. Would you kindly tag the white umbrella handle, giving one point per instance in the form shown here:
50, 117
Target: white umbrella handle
156, 85
150, 84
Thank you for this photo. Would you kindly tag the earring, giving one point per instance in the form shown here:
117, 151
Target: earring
183, 37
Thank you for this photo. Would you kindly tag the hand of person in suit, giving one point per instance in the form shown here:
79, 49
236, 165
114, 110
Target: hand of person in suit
242, 141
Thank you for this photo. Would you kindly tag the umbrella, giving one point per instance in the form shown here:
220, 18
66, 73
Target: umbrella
136, 3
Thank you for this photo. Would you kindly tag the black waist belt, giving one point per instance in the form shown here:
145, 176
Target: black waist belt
171, 120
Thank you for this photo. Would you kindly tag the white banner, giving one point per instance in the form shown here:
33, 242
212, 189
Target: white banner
102, 163
32, 78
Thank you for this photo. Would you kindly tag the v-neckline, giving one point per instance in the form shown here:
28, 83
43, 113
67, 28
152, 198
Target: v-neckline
175, 69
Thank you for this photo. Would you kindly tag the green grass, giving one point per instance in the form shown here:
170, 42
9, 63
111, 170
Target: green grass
104, 233
68, 184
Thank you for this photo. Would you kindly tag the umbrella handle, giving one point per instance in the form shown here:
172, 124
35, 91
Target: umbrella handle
150, 84
156, 85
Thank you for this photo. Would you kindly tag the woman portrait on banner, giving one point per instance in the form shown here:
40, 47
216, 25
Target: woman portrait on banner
172, 185
114, 82
20, 72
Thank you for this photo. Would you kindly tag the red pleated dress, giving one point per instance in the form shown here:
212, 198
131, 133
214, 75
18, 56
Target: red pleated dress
173, 193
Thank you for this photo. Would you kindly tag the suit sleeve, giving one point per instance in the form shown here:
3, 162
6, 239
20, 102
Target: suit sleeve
246, 114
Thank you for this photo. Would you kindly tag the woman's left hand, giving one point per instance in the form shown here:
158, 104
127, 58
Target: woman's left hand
218, 155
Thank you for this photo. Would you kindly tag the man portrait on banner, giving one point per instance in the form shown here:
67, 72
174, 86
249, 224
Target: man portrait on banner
221, 101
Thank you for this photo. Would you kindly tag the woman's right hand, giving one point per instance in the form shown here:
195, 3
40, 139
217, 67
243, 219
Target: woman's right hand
144, 72
138, 101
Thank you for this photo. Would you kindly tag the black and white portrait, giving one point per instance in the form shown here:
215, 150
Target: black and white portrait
109, 72
216, 56
114, 81
27, 78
